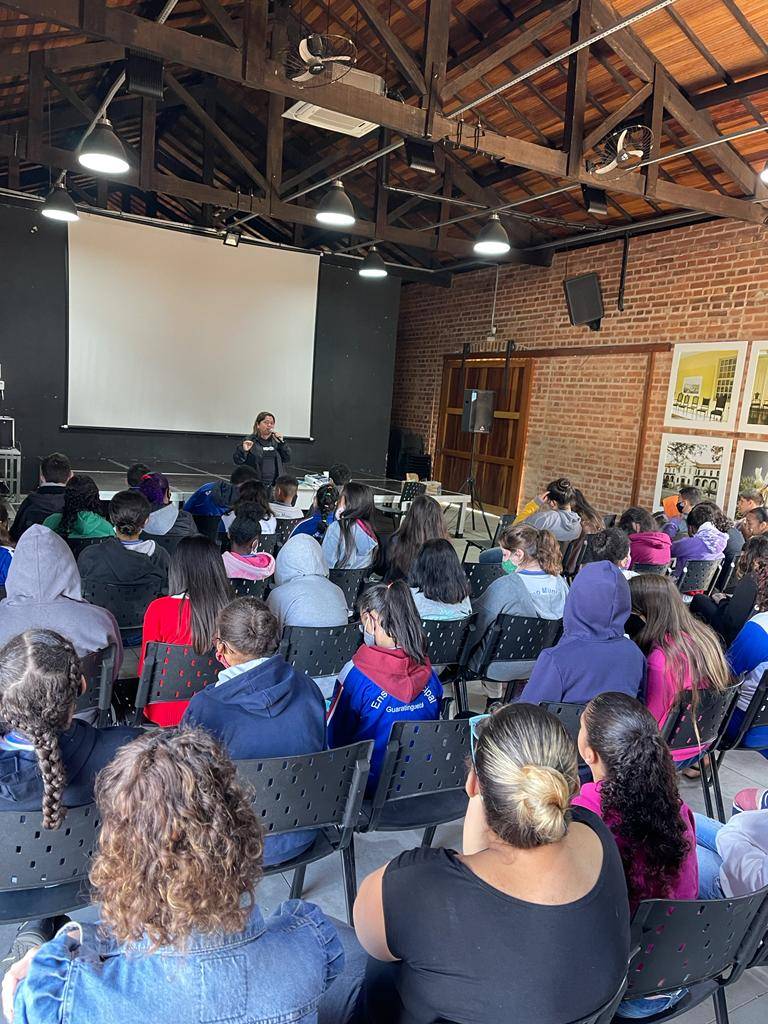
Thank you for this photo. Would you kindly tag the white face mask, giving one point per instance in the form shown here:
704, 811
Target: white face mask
369, 639
338, 514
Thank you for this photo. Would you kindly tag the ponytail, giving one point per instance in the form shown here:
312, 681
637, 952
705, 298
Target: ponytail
393, 604
539, 545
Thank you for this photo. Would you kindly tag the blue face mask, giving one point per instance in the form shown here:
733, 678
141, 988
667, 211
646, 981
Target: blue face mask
369, 639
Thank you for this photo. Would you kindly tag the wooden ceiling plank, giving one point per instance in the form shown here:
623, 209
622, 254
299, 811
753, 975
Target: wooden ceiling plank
221, 17
399, 52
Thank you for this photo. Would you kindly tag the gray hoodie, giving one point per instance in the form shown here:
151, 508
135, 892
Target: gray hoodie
563, 523
303, 595
361, 557
429, 609
44, 592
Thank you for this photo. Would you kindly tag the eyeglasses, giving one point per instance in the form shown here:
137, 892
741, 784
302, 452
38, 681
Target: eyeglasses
474, 733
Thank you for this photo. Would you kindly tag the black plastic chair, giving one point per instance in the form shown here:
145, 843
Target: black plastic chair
447, 639
705, 730
569, 715
699, 945
163, 541
484, 545
609, 519
173, 672
209, 526
315, 791
283, 530
44, 872
320, 650
421, 784
651, 570
268, 543
755, 715
481, 576
411, 489
78, 544
699, 575
250, 588
98, 667
127, 601
351, 581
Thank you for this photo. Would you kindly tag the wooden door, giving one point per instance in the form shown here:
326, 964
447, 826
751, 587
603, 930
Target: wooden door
498, 460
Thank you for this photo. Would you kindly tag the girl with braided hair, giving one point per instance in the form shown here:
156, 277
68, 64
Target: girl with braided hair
81, 517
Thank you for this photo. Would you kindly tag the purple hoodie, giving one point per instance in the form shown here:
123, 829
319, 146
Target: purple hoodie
593, 656
707, 544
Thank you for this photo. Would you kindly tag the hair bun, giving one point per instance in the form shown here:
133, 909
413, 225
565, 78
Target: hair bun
545, 796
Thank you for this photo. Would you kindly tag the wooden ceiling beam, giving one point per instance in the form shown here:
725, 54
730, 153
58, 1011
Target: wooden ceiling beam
727, 93
397, 49
576, 95
621, 114
227, 26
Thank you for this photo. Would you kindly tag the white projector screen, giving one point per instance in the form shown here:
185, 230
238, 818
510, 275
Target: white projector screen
174, 331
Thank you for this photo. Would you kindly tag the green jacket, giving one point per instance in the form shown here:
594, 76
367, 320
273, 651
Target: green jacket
89, 524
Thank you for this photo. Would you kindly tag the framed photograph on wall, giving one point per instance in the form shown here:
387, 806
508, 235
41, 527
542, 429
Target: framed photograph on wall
689, 461
750, 471
754, 410
705, 384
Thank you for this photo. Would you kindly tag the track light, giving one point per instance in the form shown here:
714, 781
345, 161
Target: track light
59, 204
336, 207
232, 237
373, 265
764, 174
493, 240
102, 151
420, 156
595, 200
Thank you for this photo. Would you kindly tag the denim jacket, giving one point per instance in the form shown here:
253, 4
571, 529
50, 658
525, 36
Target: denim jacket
273, 972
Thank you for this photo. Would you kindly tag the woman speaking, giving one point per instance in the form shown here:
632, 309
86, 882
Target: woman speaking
264, 449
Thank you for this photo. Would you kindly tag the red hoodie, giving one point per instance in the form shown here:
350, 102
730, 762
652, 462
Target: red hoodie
393, 671
651, 548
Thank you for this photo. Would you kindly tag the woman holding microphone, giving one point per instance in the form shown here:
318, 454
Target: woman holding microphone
264, 449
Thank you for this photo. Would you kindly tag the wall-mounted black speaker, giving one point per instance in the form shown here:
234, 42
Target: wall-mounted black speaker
6, 432
477, 414
585, 300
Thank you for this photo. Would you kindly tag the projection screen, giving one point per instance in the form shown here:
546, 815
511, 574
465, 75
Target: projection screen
175, 331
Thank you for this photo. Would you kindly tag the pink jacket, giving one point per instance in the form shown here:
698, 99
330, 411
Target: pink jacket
660, 695
652, 548
248, 567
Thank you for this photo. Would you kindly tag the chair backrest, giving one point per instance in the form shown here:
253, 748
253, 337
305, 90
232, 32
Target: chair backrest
447, 639
173, 672
167, 543
250, 588
683, 728
699, 574
609, 519
521, 638
481, 576
504, 521
677, 943
208, 526
587, 553
320, 650
283, 530
569, 715
322, 790
78, 544
421, 759
351, 582
652, 570
32, 857
411, 489
268, 543
126, 601
98, 667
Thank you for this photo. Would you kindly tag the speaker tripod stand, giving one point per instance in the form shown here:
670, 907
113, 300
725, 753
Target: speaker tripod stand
470, 487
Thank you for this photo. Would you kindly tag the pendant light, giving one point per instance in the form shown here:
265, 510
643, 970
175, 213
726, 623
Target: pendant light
493, 240
373, 265
59, 205
102, 151
336, 208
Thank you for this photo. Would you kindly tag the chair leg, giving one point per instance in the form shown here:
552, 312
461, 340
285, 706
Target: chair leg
721, 1005
349, 871
429, 835
297, 882
462, 696
705, 788
714, 769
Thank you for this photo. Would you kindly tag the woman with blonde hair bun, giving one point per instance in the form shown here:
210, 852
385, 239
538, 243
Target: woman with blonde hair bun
540, 883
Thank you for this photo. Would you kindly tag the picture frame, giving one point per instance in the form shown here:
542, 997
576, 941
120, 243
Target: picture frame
705, 385
688, 460
754, 409
751, 459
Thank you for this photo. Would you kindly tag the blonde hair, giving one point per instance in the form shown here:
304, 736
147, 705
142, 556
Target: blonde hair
541, 545
527, 770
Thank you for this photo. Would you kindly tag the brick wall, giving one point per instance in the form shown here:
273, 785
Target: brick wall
703, 283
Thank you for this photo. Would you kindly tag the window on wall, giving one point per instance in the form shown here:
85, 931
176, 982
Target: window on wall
726, 373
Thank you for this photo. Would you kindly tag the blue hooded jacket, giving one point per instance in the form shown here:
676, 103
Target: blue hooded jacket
593, 656
271, 710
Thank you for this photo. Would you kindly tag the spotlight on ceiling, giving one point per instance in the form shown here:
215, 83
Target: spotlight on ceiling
595, 200
493, 240
59, 205
764, 174
102, 151
373, 265
420, 156
232, 237
336, 208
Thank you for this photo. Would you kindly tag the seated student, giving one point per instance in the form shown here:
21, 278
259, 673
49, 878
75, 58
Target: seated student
555, 512
423, 521
681, 652
340, 474
6, 544
198, 589
302, 594
733, 858
707, 537
677, 526
748, 500
256, 495
80, 517
591, 522
593, 655
351, 542
285, 493
438, 583
321, 514
538, 879
135, 474
612, 545
533, 587
389, 678
191, 944
647, 544
45, 592
755, 523
727, 614
244, 561
166, 519
217, 497
48, 758
748, 660
126, 558
260, 706
55, 471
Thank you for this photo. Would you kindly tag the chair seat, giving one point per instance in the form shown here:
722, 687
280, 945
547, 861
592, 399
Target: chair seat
695, 995
322, 847
27, 904
416, 812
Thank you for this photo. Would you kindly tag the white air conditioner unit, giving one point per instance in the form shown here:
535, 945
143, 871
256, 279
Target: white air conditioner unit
312, 113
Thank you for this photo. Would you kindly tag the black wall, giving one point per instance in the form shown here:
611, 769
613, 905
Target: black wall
354, 364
